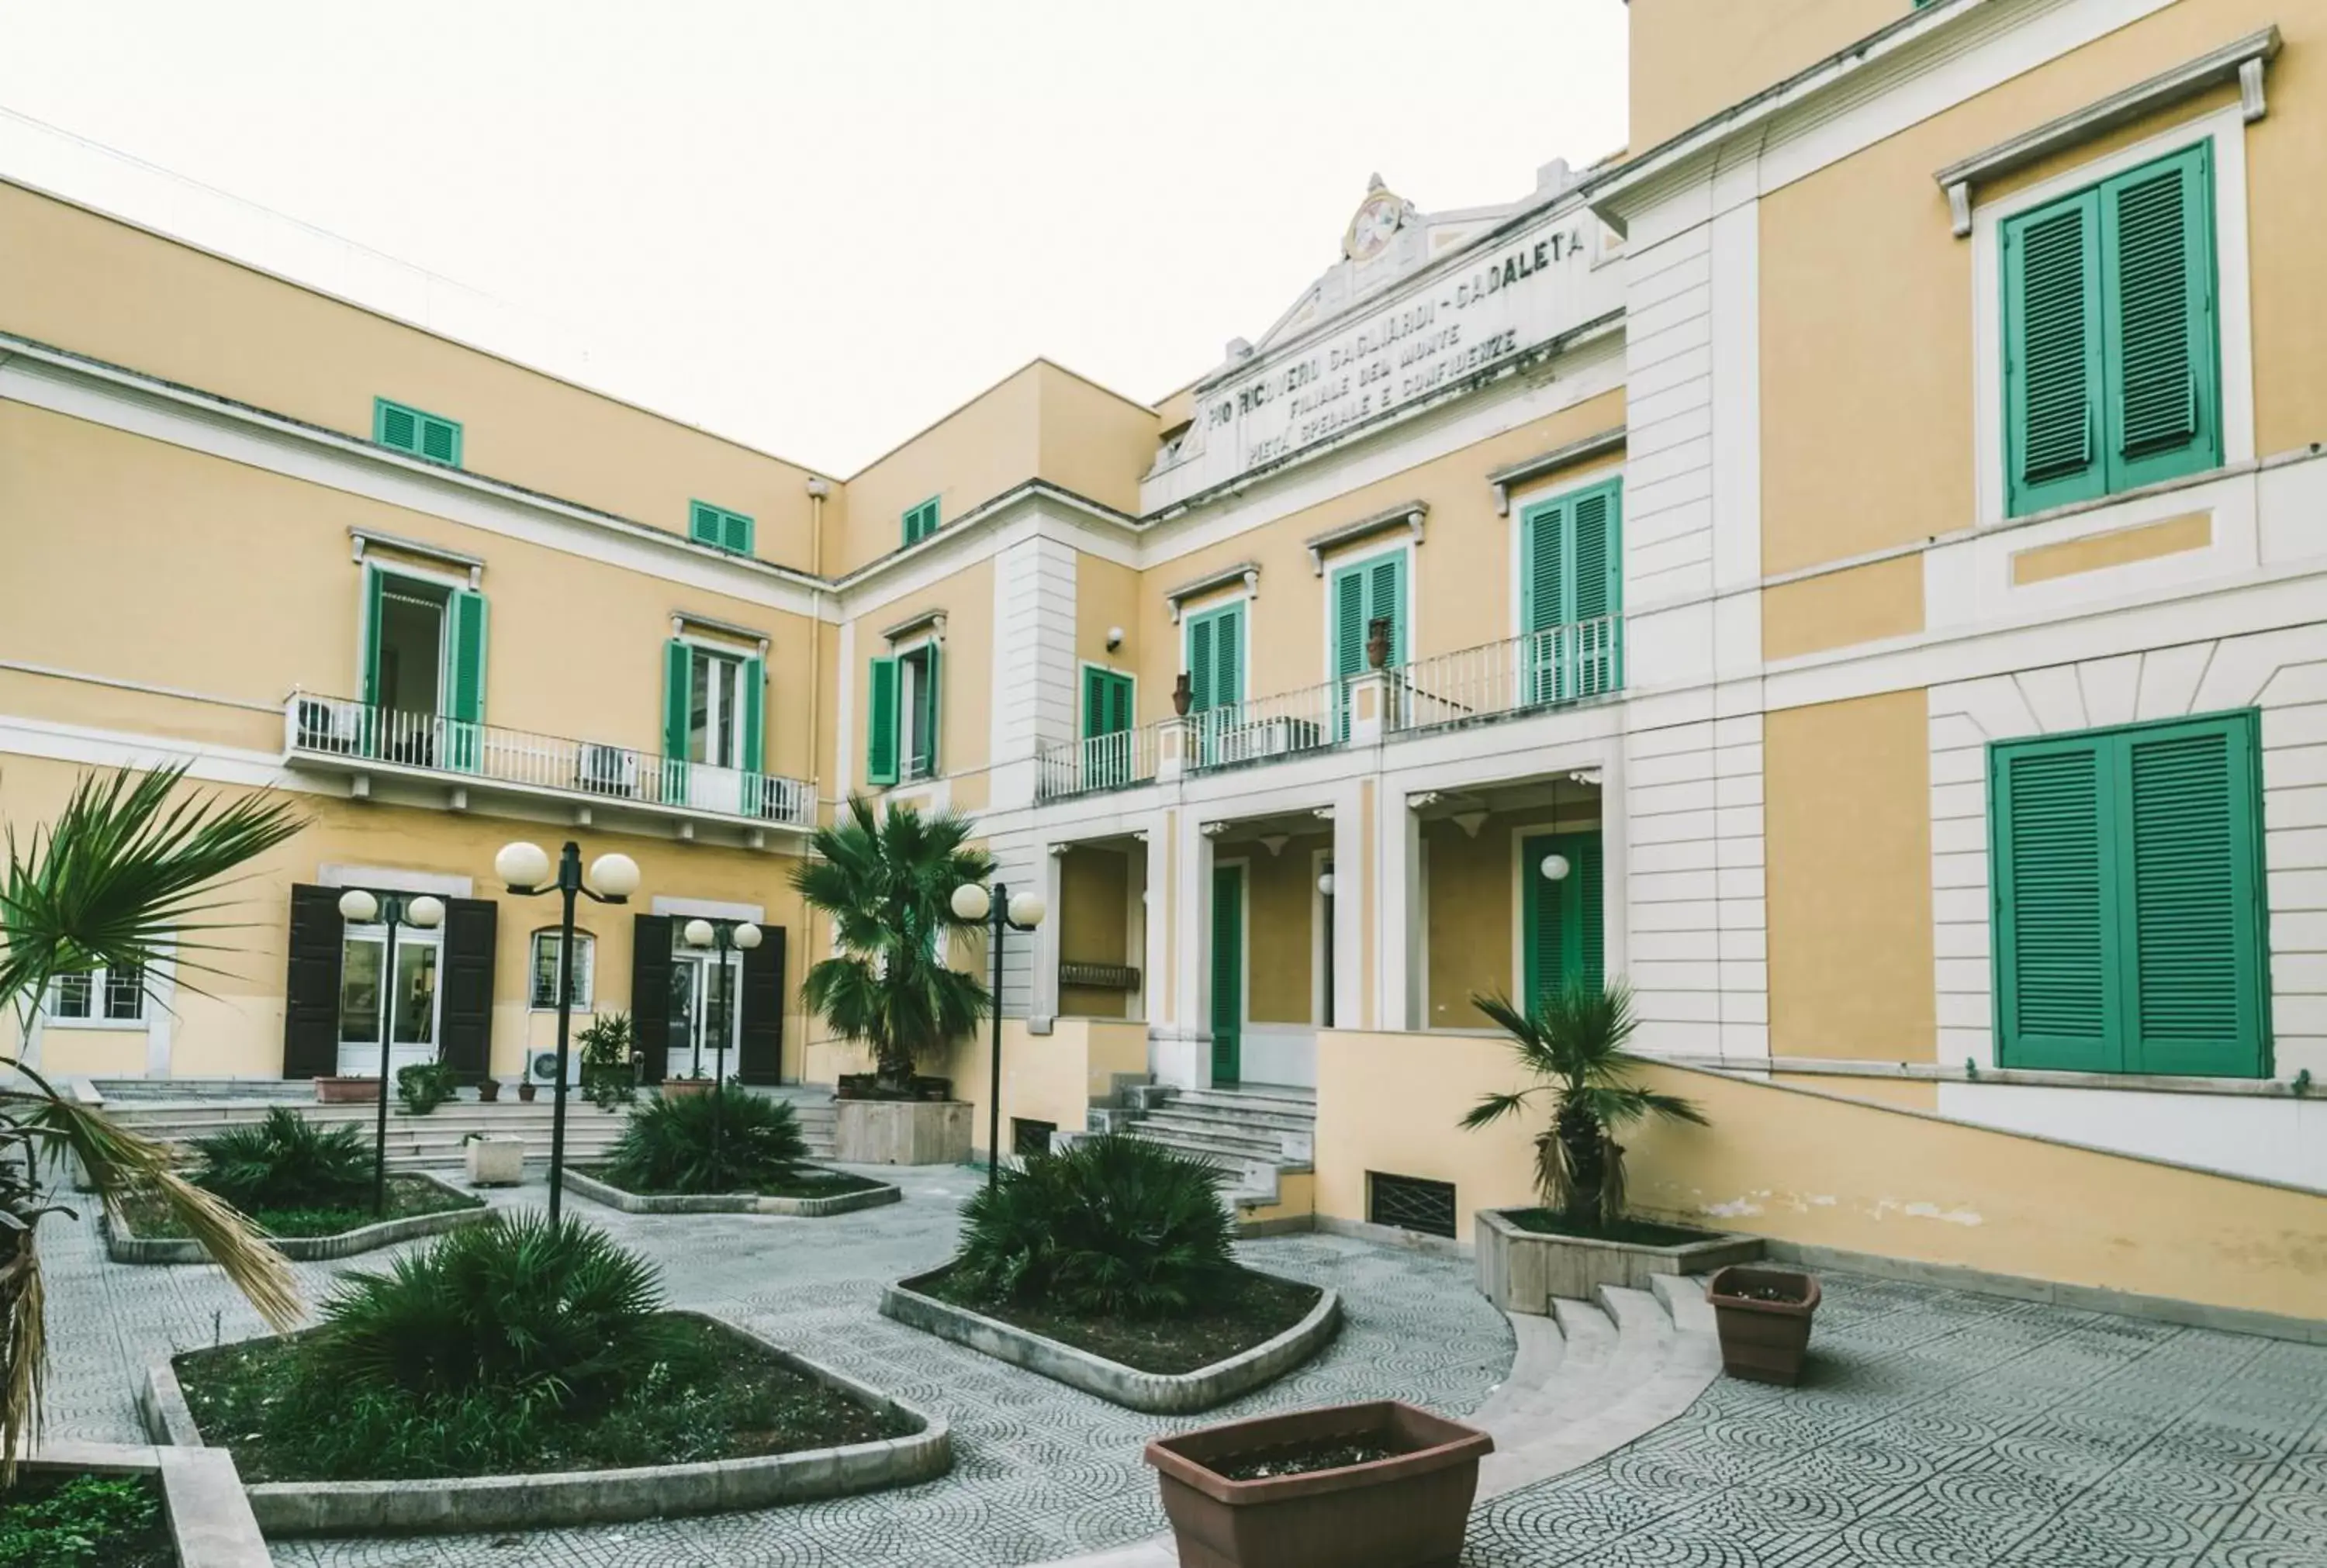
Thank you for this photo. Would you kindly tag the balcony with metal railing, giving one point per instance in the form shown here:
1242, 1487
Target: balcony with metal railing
1555, 667
365, 740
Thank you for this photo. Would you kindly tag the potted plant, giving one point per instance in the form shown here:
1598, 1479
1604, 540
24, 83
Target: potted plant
1376, 1485
1579, 1237
1763, 1315
424, 1085
695, 1083
609, 1069
887, 880
526, 1090
489, 1091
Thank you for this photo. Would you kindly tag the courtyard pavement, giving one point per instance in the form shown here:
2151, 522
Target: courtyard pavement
1935, 1427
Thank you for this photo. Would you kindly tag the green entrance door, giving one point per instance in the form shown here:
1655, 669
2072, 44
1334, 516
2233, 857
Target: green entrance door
1228, 974
1564, 936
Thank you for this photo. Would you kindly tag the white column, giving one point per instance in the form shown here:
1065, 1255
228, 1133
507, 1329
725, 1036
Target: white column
1192, 941
1044, 995
1351, 980
1399, 943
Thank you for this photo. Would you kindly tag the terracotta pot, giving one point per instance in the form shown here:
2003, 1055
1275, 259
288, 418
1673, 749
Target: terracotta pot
679, 1088
1378, 643
526, 1090
1184, 694
346, 1091
1406, 1511
489, 1091
1763, 1342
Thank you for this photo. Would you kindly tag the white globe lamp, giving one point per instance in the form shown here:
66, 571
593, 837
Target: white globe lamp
697, 933
1026, 911
427, 911
1554, 868
522, 864
359, 908
613, 876
971, 902
745, 936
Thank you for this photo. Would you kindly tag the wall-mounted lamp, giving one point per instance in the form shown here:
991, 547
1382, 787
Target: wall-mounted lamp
1114, 638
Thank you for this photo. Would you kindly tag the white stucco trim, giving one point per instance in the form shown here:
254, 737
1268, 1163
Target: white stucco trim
396, 878
708, 909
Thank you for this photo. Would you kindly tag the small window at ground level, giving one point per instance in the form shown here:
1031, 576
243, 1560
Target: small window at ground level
1028, 1136
2130, 928
1410, 1203
545, 969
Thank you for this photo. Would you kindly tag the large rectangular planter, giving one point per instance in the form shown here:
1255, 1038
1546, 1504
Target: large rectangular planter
901, 1132
1157, 1393
613, 1197
210, 1521
494, 1162
123, 1245
1406, 1511
527, 1502
346, 1091
1522, 1269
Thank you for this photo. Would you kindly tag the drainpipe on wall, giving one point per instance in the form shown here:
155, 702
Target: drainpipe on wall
818, 489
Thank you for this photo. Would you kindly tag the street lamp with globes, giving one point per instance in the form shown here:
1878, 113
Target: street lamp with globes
524, 869
1002, 910
720, 936
362, 907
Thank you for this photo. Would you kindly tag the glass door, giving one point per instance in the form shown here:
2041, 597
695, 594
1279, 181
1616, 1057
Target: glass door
365, 1002
698, 996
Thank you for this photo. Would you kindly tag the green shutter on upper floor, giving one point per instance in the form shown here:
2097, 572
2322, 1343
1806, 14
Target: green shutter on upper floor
1360, 595
465, 688
1571, 591
1216, 657
719, 527
753, 682
2128, 899
374, 583
1106, 702
678, 702
1564, 931
926, 696
921, 521
415, 430
880, 722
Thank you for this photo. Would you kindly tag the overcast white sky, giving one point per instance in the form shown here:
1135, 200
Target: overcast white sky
835, 220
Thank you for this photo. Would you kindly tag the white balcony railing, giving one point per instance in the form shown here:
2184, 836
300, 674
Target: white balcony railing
355, 733
1547, 668
1115, 762
1262, 729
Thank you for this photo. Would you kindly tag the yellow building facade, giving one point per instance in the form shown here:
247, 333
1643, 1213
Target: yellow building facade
1848, 566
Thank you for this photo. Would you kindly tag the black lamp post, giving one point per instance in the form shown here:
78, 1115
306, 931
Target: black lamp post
720, 936
613, 879
362, 907
1002, 913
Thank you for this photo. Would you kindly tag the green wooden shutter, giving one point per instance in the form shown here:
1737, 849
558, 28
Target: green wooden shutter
1106, 702
393, 424
1200, 663
925, 759
702, 524
1121, 714
880, 723
1228, 683
373, 585
440, 439
1543, 566
2158, 248
1563, 925
1585, 890
466, 687
2053, 354
2056, 942
1349, 620
1543, 952
1594, 591
677, 701
1386, 599
2192, 908
737, 535
753, 682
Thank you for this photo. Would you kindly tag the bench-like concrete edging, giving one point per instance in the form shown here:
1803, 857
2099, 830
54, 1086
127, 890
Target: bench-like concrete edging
613, 1197
210, 1521
468, 1503
1155, 1392
123, 1245
1523, 1271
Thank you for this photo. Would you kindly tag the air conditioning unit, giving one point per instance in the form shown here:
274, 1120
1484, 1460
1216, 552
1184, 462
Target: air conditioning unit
607, 770
541, 1067
1270, 738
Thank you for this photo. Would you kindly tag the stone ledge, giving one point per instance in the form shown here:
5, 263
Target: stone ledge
1154, 1392
122, 1246
613, 1197
1524, 1271
210, 1521
472, 1503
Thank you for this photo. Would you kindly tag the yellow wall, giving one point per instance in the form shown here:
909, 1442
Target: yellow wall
1863, 285
1280, 918
1848, 827
1857, 605
1094, 924
1691, 59
73, 279
1107, 597
965, 676
1473, 905
1826, 1171
1046, 1077
1094, 442
2122, 546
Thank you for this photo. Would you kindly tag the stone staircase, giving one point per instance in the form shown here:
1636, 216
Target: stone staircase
1260, 1133
433, 1139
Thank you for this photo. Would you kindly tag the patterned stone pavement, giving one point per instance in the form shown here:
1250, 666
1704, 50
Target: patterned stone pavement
1040, 1470
1936, 1428
1941, 1430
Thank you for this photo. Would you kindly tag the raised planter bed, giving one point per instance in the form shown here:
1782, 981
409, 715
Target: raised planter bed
523, 1502
1156, 1393
123, 1245
346, 1091
599, 1191
901, 1132
1405, 1502
207, 1517
1521, 1270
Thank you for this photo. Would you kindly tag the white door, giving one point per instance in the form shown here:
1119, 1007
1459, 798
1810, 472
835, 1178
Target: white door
364, 1002
699, 1000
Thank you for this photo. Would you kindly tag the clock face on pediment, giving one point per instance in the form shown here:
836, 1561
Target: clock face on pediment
1376, 223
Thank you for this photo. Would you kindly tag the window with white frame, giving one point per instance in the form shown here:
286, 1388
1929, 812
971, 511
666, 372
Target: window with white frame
545, 969
98, 996
715, 719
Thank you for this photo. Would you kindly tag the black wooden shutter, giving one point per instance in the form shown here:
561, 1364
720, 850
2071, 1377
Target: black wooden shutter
650, 991
759, 1054
310, 994
472, 928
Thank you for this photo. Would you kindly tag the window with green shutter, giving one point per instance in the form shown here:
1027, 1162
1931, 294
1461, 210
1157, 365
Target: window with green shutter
1571, 592
423, 434
719, 527
919, 710
2111, 375
1106, 702
881, 723
2130, 928
1562, 924
921, 521
1356, 596
464, 685
1215, 655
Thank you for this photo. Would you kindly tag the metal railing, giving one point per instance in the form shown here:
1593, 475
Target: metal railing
1115, 762
1542, 669
340, 727
1262, 729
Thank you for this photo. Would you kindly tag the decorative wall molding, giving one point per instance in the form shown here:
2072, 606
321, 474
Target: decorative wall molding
1245, 572
1505, 479
365, 539
1407, 515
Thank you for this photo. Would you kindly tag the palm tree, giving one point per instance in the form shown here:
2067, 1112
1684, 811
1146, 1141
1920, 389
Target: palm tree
887, 883
1575, 1042
124, 879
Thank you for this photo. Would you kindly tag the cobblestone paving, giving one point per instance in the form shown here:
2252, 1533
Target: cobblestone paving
1040, 1470
1955, 1431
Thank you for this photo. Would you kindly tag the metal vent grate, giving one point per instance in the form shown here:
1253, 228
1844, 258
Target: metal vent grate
1410, 1203
1030, 1137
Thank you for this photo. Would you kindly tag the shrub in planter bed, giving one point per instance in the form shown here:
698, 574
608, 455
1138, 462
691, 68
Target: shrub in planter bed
424, 1086
84, 1521
727, 1141
287, 1161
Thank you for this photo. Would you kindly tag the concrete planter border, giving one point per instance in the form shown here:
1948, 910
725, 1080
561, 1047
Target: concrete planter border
210, 1522
901, 1132
1522, 1269
1154, 1392
613, 1197
527, 1502
123, 1245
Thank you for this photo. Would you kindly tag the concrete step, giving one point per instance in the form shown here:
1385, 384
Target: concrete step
1274, 1129
1683, 1296
1223, 1134
1232, 1156
1258, 1110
